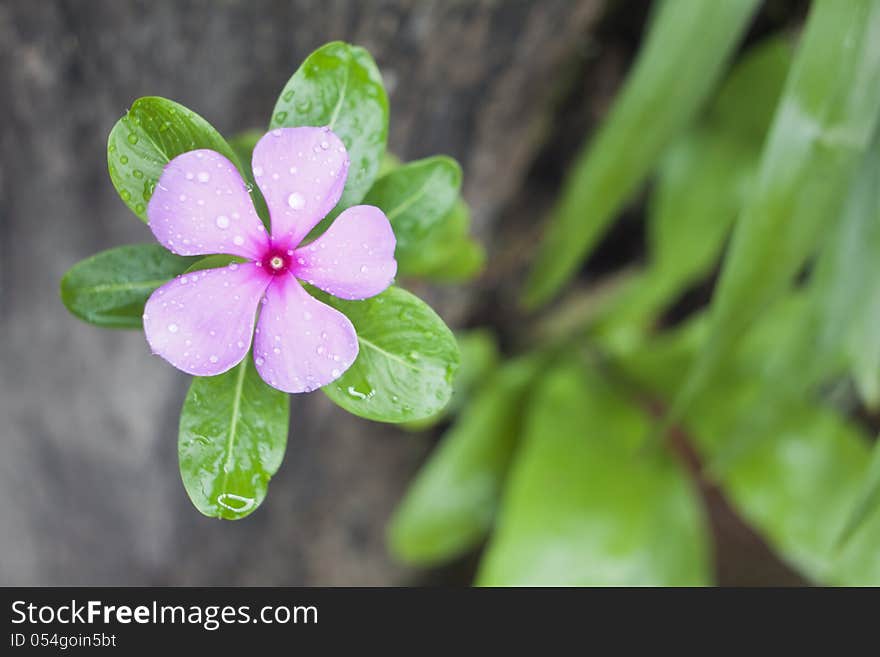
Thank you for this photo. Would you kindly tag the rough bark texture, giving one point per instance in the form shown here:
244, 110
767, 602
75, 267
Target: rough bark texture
88, 476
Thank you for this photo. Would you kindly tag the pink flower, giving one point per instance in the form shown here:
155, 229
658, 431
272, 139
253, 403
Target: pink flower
203, 322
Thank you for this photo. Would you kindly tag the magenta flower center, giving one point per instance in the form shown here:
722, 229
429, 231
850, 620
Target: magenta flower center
276, 261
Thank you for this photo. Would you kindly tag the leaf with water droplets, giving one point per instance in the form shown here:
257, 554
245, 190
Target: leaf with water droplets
407, 359
110, 288
478, 349
340, 86
233, 433
153, 132
419, 198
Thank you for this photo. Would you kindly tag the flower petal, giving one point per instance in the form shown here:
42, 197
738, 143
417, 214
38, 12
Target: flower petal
354, 258
301, 344
202, 323
202, 206
301, 172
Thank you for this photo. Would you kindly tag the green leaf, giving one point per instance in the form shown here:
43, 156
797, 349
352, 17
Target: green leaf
416, 197
791, 467
867, 502
467, 262
820, 132
583, 507
846, 284
339, 86
685, 52
702, 184
479, 357
451, 505
214, 262
110, 288
448, 254
153, 132
233, 432
406, 363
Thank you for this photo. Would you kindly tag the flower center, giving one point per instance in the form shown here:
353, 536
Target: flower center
275, 261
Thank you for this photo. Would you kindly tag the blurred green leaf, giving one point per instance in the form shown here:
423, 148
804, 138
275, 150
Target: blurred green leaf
479, 357
820, 132
416, 197
867, 502
406, 363
339, 86
683, 56
448, 254
153, 132
702, 183
846, 283
110, 288
583, 507
233, 432
790, 466
451, 505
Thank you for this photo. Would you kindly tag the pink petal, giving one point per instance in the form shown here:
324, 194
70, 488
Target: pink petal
201, 206
354, 258
301, 344
301, 172
202, 323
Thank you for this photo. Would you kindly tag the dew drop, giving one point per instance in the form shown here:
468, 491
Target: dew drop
204, 176
213, 359
222, 221
296, 201
172, 328
238, 240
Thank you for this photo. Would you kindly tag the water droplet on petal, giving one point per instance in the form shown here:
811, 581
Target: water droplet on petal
172, 328
296, 201
204, 176
222, 221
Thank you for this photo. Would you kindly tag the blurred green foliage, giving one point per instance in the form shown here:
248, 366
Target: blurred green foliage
568, 461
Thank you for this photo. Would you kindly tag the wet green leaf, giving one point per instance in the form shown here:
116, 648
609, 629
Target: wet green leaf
339, 86
406, 363
110, 288
451, 505
583, 507
233, 432
479, 357
416, 197
685, 52
153, 132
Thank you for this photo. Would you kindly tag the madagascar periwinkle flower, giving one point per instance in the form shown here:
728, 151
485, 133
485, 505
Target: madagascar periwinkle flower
203, 322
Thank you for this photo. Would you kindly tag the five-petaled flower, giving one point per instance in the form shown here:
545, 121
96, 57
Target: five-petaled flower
203, 322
